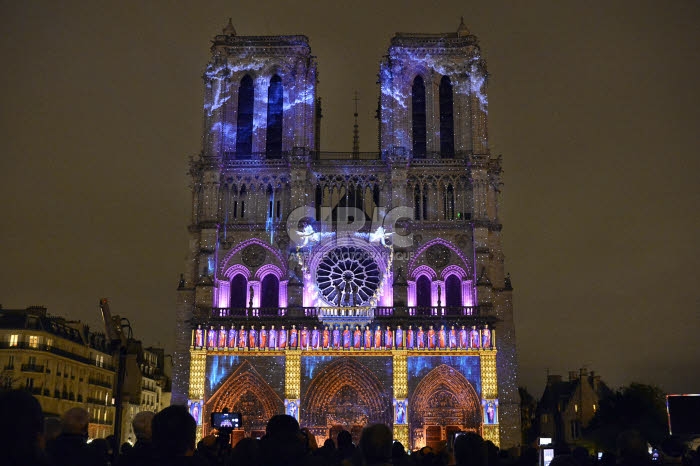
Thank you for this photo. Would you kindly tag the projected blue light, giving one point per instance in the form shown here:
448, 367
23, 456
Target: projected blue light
311, 364
468, 366
219, 368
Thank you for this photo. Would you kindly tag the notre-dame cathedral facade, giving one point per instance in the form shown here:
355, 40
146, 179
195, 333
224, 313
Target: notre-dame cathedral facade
348, 288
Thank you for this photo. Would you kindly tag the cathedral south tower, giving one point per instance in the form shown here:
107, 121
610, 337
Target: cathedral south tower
348, 288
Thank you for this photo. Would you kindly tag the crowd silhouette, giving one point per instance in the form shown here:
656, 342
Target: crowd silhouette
168, 438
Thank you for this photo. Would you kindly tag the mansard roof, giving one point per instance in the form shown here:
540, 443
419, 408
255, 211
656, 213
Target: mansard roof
35, 318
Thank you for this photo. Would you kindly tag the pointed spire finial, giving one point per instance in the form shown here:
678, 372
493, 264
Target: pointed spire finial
462, 30
229, 30
356, 132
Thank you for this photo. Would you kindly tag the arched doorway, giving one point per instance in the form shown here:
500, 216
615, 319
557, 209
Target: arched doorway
344, 395
443, 402
246, 392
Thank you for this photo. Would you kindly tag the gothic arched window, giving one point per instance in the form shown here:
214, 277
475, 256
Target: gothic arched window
453, 291
419, 127
275, 95
271, 200
447, 129
270, 295
244, 138
423, 292
416, 203
239, 289
449, 203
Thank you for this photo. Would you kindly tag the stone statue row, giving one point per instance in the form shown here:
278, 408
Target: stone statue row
345, 339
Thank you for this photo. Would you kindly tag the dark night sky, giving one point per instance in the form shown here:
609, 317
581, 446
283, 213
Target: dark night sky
595, 107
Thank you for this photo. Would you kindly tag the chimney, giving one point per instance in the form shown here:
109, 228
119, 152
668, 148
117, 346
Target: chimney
552, 379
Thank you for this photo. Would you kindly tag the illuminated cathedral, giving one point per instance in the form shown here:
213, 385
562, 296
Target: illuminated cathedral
348, 288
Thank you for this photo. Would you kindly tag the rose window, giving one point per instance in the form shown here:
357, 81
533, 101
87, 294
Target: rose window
348, 276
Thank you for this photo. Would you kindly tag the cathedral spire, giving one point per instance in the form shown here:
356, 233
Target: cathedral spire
462, 30
229, 30
356, 132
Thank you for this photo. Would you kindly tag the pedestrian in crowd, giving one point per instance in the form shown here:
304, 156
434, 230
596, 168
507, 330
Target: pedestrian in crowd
469, 449
375, 445
141, 454
283, 443
174, 433
70, 448
21, 430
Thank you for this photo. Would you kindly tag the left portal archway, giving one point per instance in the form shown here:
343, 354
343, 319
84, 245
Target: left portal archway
245, 391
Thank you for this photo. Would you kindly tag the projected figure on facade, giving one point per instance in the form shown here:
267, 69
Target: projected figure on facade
463, 338
357, 338
388, 338
252, 337
336, 338
222, 337
282, 338
232, 337
326, 338
272, 338
292, 337
410, 338
304, 338
346, 338
486, 337
398, 337
368, 338
490, 411
420, 338
292, 410
194, 412
442, 337
474, 338
400, 412
263, 338
199, 337
453, 337
242, 337
211, 337
315, 338
431, 338
378, 338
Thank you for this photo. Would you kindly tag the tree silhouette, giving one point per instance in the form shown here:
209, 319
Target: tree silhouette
637, 407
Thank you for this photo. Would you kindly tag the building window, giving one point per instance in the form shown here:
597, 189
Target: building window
275, 96
594, 408
49, 342
447, 131
449, 202
418, 118
239, 288
270, 292
14, 339
416, 202
423, 292
453, 291
33, 341
244, 133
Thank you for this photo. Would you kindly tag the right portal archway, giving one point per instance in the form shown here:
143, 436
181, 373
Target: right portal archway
442, 403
